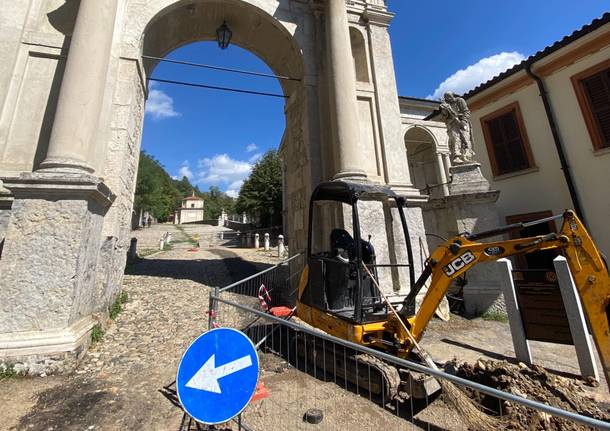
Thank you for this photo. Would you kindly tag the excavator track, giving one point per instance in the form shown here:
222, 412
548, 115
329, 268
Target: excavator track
389, 373
366, 373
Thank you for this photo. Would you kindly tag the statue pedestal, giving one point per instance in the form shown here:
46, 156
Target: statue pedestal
470, 207
467, 178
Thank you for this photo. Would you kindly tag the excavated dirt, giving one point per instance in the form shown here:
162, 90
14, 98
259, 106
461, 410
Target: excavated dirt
534, 383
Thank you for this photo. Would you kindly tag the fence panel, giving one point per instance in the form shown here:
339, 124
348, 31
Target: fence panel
353, 386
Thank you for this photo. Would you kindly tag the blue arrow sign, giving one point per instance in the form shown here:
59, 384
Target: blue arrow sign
217, 375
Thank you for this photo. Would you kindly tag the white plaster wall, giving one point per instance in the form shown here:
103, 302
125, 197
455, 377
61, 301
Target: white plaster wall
544, 188
591, 170
539, 189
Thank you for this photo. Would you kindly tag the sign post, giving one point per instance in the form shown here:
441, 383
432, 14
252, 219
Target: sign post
217, 376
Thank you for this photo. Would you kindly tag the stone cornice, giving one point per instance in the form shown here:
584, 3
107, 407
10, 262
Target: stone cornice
465, 198
375, 16
60, 186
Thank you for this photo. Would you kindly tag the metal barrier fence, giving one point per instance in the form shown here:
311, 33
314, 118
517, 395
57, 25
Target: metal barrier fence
304, 368
246, 238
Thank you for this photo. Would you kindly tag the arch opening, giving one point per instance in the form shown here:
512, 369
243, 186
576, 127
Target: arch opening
421, 155
254, 30
275, 41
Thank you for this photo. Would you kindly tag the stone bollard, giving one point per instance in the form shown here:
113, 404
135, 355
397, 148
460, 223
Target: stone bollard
257, 240
133, 248
222, 235
161, 243
169, 238
266, 242
280, 246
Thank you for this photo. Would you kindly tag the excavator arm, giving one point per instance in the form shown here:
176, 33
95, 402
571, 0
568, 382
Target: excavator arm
461, 253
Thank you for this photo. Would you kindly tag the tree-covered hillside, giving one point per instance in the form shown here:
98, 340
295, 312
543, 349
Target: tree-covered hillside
159, 194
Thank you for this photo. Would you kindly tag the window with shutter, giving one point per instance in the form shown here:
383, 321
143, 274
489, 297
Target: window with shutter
593, 92
506, 141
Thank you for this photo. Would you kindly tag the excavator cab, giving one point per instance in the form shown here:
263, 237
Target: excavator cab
337, 284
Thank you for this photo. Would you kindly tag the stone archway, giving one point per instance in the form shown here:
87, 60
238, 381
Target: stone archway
274, 35
427, 162
70, 170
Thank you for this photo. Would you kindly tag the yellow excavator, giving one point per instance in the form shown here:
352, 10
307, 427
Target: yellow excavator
337, 295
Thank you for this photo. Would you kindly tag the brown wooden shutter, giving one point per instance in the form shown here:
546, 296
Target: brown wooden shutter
507, 142
597, 89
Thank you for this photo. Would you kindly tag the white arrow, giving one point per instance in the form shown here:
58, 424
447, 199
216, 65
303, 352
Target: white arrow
206, 379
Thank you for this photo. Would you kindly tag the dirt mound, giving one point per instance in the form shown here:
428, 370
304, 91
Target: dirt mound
534, 383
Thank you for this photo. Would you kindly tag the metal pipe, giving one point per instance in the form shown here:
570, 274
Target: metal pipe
554, 411
400, 205
565, 167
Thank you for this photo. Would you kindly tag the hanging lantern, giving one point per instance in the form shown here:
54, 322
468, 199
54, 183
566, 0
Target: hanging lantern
223, 35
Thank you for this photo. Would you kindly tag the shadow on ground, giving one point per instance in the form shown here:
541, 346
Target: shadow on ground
205, 271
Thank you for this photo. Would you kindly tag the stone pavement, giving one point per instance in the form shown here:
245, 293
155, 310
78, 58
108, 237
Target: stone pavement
117, 385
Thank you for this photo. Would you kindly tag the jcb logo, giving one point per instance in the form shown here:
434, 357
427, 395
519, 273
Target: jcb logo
458, 263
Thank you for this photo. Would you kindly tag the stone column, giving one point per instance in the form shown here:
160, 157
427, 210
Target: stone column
442, 175
447, 164
343, 107
82, 89
384, 79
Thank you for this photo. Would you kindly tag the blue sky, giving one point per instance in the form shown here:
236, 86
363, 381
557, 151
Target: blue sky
215, 137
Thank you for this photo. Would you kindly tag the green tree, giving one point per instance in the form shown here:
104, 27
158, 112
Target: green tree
155, 190
159, 194
215, 201
261, 193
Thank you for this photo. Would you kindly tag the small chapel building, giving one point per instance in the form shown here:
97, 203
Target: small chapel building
191, 210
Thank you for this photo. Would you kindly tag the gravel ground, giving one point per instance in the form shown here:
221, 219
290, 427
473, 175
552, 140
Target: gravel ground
117, 385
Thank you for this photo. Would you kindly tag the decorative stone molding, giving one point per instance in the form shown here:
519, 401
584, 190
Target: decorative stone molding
469, 198
376, 16
6, 197
28, 345
60, 185
467, 178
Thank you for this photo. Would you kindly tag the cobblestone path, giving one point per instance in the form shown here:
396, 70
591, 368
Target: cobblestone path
116, 386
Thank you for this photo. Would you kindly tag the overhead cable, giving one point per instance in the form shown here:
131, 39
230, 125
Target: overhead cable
224, 69
214, 87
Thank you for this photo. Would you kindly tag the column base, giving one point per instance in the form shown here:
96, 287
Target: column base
50, 352
57, 164
351, 175
50, 259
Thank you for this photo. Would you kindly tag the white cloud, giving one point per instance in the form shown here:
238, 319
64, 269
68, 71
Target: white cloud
482, 71
221, 169
255, 157
233, 189
185, 171
251, 147
159, 105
